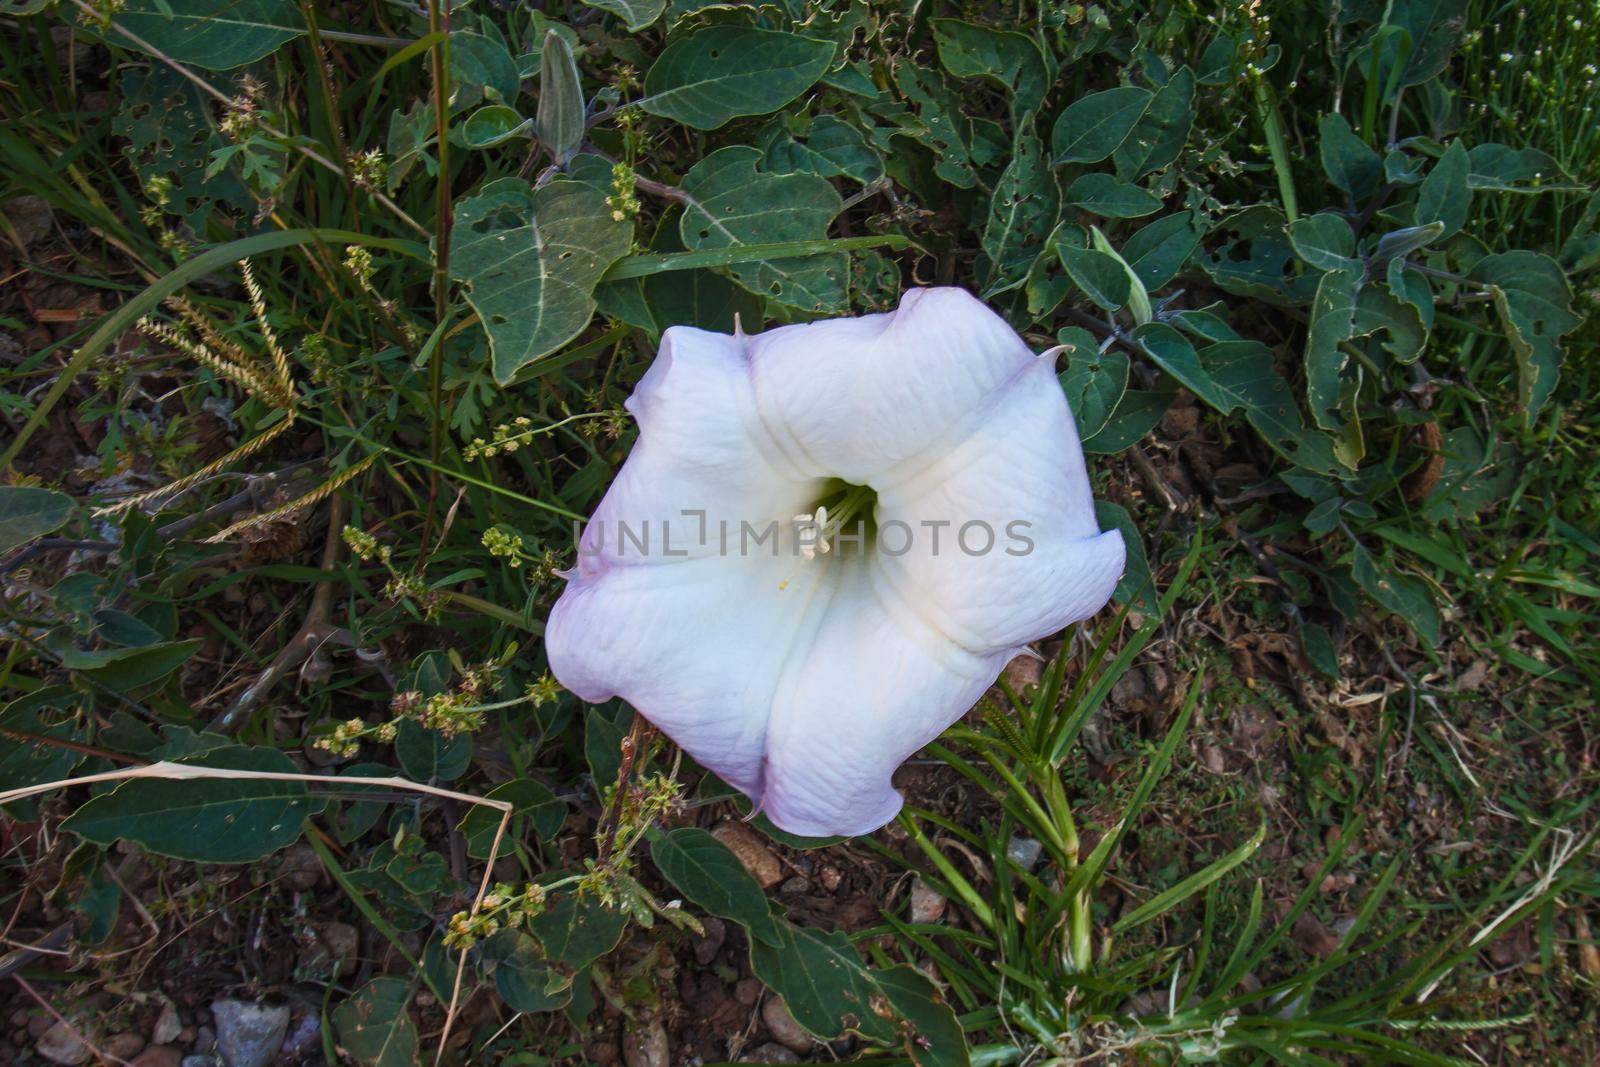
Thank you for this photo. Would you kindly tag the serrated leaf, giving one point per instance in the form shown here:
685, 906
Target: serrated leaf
530, 260
1351, 164
1103, 195
1009, 59
731, 203
1443, 195
712, 877
374, 1027
1093, 126
720, 73
27, 512
1160, 134
635, 14
1022, 213
208, 820
1534, 301
1158, 251
212, 34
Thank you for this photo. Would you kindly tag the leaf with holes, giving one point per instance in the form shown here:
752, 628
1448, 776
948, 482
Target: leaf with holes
720, 73
730, 203
1011, 60
1534, 301
530, 260
1160, 134
373, 1025
1022, 213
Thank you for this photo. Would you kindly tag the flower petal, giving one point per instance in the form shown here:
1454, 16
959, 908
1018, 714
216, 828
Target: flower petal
697, 648
850, 398
1002, 546
874, 685
701, 447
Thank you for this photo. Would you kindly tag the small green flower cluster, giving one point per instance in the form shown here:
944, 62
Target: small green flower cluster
502, 907
507, 437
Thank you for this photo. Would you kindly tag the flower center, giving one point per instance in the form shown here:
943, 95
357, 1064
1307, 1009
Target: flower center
843, 515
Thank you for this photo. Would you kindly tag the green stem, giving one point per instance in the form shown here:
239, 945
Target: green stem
1277, 147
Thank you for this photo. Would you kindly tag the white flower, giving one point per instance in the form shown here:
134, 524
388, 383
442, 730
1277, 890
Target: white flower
805, 681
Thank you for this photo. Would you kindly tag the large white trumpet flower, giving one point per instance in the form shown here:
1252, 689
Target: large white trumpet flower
944, 521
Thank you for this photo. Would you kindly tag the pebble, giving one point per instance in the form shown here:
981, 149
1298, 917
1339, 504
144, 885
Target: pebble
646, 1045
158, 1056
707, 947
927, 906
1024, 852
249, 1035
783, 1027
771, 1052
757, 858
301, 867
168, 1025
747, 991
59, 1044
123, 1046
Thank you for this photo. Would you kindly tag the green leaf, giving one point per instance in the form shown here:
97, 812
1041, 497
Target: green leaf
1102, 277
1534, 301
1353, 167
1138, 299
635, 14
1135, 586
1254, 258
730, 203
27, 512
212, 34
719, 73
374, 1027
1093, 126
577, 929
560, 119
1107, 197
1332, 323
1434, 28
494, 124
1406, 595
531, 801
833, 148
1378, 309
1160, 134
1403, 242
530, 260
1516, 170
26, 763
830, 991
1324, 240
1137, 414
1022, 213
1443, 195
522, 976
208, 820
1011, 60
1158, 251
426, 754
712, 877
481, 65
1094, 380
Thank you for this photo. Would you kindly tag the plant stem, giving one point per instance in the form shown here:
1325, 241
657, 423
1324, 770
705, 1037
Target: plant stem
1277, 147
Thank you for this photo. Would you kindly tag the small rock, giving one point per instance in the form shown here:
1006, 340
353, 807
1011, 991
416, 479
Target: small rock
747, 991
830, 878
335, 949
771, 1052
202, 1059
168, 1025
927, 906
646, 1045
707, 947
301, 867
602, 1053
204, 1040
59, 1044
249, 1035
1023, 671
31, 216
123, 1046
782, 1026
757, 858
1024, 852
159, 1056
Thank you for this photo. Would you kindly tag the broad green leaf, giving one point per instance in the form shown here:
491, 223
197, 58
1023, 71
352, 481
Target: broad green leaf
1159, 250
1434, 29
530, 259
712, 877
1251, 256
374, 1026
1104, 195
1332, 323
1009, 59
830, 992
27, 512
1403, 242
1138, 299
1406, 595
426, 754
1094, 380
494, 124
635, 14
1102, 277
1093, 126
1136, 586
1324, 240
1516, 170
123, 669
522, 975
482, 66
1377, 309
1443, 195
26, 763
560, 119
212, 34
1534, 301
533, 803
731, 203
1022, 213
208, 820
1136, 415
577, 928
1160, 134
719, 73
1351, 164
832, 148
941, 124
